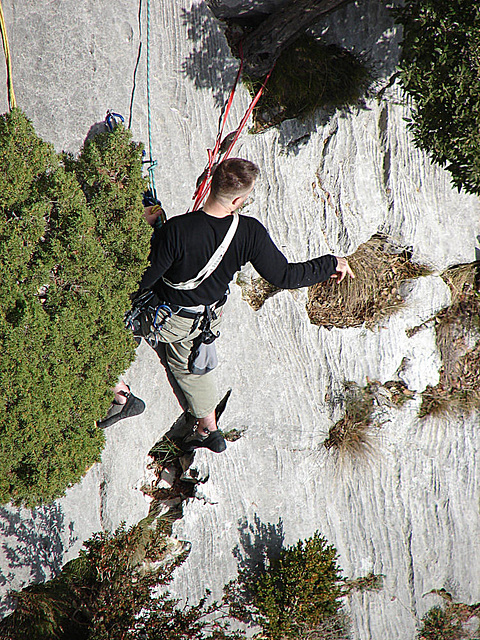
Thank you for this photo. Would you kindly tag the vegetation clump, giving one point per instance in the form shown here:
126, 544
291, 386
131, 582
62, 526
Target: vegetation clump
256, 291
292, 595
116, 589
308, 75
458, 339
450, 621
374, 294
73, 247
370, 582
354, 435
439, 69
107, 594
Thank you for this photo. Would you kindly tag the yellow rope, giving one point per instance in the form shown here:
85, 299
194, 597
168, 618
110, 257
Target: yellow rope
12, 103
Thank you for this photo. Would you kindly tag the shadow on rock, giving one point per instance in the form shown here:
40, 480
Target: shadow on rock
34, 543
259, 544
209, 65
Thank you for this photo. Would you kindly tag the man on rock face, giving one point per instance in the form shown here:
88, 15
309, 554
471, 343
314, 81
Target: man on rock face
181, 249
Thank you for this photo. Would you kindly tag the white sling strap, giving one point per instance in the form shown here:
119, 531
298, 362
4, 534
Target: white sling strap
212, 264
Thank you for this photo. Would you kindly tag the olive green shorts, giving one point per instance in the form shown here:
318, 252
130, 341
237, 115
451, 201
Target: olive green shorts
200, 391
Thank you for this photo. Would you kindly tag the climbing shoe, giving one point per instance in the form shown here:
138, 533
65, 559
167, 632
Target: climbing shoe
133, 407
213, 441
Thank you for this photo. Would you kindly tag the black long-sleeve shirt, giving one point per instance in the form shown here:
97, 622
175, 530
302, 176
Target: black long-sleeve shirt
185, 243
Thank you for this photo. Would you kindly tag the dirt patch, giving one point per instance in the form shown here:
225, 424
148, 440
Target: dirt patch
374, 294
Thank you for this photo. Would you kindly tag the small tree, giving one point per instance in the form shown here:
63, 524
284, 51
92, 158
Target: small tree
293, 594
73, 246
439, 69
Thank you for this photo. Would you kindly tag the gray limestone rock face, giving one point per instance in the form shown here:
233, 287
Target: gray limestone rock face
328, 183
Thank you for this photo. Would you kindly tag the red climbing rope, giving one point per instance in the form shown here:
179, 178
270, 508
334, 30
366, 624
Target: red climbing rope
224, 147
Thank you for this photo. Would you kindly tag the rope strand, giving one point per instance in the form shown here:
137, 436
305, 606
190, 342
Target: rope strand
12, 102
204, 186
153, 163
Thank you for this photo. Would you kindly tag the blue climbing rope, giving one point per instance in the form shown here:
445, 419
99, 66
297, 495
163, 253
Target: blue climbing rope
151, 162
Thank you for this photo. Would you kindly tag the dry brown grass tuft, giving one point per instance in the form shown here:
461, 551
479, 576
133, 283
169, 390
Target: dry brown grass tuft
256, 290
353, 436
458, 339
372, 295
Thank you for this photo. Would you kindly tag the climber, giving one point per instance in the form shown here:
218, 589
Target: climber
181, 249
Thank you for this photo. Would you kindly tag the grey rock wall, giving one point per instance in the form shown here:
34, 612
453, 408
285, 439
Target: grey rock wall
329, 183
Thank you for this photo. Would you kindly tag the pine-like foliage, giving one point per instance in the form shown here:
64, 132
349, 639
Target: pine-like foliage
73, 245
440, 70
292, 595
105, 595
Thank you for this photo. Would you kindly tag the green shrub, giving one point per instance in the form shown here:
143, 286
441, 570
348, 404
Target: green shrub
102, 595
293, 594
439, 69
437, 625
309, 75
73, 245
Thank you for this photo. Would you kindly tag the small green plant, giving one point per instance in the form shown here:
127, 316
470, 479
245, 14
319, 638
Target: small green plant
449, 621
438, 625
293, 594
439, 69
232, 435
370, 582
309, 75
165, 451
73, 245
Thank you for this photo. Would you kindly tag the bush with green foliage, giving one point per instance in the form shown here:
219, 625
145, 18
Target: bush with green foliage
73, 245
104, 595
439, 69
116, 589
437, 625
452, 621
294, 594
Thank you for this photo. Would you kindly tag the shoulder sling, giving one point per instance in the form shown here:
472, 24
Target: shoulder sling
212, 264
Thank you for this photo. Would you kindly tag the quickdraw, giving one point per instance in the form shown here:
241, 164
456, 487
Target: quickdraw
143, 317
112, 120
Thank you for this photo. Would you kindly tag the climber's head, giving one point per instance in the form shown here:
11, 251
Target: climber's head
233, 180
